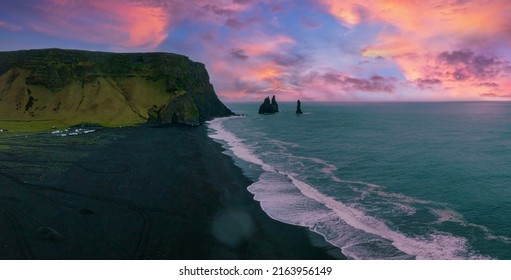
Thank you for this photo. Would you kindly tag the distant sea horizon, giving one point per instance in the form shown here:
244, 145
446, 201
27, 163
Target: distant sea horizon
347, 102
382, 180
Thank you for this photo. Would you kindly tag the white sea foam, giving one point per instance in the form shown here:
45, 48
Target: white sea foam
361, 236
72, 132
235, 144
404, 209
488, 234
284, 143
449, 215
327, 168
435, 246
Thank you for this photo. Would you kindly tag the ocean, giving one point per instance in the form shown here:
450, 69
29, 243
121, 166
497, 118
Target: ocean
382, 180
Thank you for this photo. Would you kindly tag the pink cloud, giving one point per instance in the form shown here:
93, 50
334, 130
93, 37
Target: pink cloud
494, 95
256, 66
124, 24
426, 18
438, 45
262, 44
331, 84
428, 83
131, 24
259, 65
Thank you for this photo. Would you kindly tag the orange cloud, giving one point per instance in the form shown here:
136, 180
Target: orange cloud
254, 66
415, 33
129, 24
124, 24
435, 25
267, 72
426, 18
262, 44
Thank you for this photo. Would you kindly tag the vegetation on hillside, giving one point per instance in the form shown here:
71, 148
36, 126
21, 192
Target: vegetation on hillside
54, 87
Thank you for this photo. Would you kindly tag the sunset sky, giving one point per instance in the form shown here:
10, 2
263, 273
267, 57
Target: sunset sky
323, 50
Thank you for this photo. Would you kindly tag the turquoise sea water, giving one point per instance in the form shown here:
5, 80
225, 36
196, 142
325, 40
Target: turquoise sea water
385, 180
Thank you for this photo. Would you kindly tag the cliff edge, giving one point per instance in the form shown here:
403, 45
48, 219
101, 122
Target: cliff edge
40, 89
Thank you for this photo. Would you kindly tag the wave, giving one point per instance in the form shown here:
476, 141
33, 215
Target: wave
349, 226
235, 144
449, 215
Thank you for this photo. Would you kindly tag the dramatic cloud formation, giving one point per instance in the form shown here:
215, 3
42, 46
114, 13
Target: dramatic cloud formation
313, 49
427, 83
123, 24
373, 84
450, 43
467, 65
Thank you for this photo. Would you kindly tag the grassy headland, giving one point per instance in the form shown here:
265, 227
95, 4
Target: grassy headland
41, 89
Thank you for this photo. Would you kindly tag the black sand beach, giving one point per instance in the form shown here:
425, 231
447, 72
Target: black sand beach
136, 193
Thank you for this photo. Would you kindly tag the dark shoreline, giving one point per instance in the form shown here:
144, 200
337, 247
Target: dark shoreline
154, 193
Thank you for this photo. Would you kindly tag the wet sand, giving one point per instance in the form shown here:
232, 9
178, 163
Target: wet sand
136, 193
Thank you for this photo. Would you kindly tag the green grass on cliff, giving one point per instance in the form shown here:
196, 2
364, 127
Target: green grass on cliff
105, 101
40, 89
31, 126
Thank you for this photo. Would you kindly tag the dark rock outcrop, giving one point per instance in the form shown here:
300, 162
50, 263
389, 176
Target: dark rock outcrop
269, 107
180, 111
266, 107
111, 89
299, 107
274, 104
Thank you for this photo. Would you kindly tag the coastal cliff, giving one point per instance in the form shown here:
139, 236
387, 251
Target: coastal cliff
55, 87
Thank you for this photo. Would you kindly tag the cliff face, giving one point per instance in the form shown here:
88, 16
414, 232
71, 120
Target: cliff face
69, 87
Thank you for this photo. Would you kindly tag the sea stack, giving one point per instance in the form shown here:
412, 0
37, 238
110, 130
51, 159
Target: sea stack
274, 104
269, 107
298, 107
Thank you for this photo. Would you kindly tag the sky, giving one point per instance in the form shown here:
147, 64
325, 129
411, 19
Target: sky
316, 50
